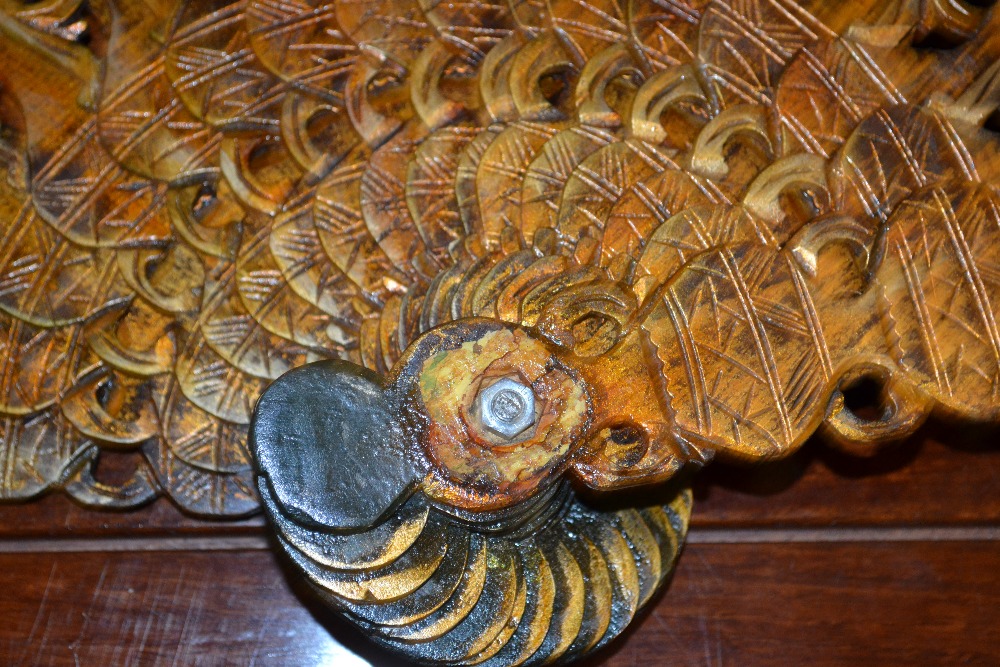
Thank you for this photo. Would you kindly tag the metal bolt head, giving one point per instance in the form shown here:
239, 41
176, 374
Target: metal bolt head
507, 407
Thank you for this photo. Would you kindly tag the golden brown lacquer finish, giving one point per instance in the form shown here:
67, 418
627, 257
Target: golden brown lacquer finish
689, 229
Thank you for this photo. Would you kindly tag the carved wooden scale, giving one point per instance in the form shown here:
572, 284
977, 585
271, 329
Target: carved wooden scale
481, 265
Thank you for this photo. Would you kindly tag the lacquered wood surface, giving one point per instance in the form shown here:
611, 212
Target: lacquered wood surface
819, 559
849, 603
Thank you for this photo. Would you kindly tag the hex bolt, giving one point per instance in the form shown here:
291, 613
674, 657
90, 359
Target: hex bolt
507, 407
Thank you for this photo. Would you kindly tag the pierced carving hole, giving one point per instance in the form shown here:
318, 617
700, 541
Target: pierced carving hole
77, 26
385, 81
103, 393
323, 126
746, 154
150, 267
458, 81
993, 121
624, 445
388, 93
802, 204
940, 39
590, 326
555, 86
113, 399
114, 468
620, 90
626, 435
683, 120
459, 68
204, 200
866, 398
264, 155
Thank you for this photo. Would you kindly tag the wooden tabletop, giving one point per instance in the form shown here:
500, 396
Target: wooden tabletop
818, 559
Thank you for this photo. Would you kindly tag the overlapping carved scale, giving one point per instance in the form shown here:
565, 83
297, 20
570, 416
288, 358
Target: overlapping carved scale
940, 295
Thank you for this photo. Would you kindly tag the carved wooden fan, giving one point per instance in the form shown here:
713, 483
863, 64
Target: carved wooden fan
538, 251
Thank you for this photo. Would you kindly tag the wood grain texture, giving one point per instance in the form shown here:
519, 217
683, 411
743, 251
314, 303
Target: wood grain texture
920, 482
917, 603
870, 602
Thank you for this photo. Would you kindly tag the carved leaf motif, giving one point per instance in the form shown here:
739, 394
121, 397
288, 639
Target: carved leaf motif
304, 166
383, 204
213, 384
340, 228
469, 28
213, 69
588, 27
202, 461
36, 454
146, 128
747, 356
430, 186
746, 44
500, 175
297, 40
465, 180
62, 191
940, 286
691, 232
270, 300
648, 205
242, 342
828, 89
601, 180
546, 177
395, 27
295, 244
895, 151
47, 280
665, 29
36, 365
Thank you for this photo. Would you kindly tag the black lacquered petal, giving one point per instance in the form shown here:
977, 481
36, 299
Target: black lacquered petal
327, 439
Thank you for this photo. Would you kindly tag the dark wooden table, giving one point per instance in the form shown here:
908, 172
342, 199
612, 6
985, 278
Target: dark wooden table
818, 559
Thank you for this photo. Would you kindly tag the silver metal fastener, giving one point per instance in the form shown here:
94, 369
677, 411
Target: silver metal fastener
507, 407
